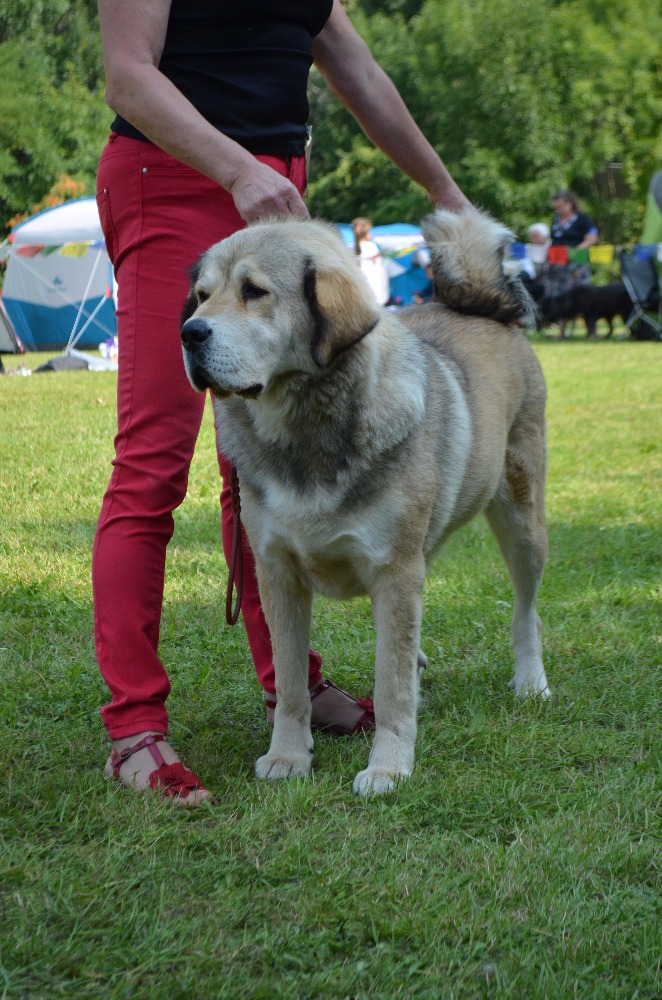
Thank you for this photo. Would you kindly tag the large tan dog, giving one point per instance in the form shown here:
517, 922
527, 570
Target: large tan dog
363, 439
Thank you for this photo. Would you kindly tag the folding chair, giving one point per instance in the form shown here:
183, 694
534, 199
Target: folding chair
642, 284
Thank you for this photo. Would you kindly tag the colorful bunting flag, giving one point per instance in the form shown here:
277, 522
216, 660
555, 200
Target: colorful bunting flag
577, 255
601, 254
31, 251
401, 251
75, 249
645, 251
557, 255
537, 252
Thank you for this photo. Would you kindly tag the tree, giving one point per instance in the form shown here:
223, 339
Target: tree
50, 52
520, 99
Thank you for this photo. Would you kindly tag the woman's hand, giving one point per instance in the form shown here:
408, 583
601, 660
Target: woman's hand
260, 192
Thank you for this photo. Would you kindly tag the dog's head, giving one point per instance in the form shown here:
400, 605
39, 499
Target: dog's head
556, 308
279, 297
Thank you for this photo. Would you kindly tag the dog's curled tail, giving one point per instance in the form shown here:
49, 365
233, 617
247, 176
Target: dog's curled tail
466, 252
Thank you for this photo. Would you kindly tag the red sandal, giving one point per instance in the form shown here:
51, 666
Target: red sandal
365, 723
168, 779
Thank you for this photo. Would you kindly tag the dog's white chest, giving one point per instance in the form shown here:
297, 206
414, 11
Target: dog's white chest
336, 553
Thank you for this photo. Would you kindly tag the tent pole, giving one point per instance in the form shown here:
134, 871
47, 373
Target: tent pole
85, 325
72, 336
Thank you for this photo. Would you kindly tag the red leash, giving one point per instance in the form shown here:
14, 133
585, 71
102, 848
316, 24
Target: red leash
236, 566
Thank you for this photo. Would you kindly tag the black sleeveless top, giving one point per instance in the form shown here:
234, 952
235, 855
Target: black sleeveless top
573, 231
244, 66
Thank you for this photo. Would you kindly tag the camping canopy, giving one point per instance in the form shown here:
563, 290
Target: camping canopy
58, 290
9, 342
399, 243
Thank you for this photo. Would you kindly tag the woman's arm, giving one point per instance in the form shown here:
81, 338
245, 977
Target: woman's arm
589, 240
348, 67
133, 34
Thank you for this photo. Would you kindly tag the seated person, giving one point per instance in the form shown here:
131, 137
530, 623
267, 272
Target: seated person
536, 249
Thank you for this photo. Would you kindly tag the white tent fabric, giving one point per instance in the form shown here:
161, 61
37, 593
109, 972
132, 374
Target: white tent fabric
59, 288
72, 222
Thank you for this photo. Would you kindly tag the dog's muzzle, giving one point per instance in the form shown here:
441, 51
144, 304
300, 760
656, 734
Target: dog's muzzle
195, 332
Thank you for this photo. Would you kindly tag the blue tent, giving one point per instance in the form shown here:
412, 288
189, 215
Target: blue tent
400, 244
58, 290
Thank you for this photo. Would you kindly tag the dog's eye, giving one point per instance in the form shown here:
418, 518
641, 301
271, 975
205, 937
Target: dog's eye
201, 295
250, 291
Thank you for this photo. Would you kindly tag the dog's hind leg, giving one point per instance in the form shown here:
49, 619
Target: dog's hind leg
288, 610
397, 609
517, 518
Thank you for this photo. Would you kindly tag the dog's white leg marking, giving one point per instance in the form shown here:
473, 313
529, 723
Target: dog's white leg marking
530, 677
287, 608
517, 518
397, 612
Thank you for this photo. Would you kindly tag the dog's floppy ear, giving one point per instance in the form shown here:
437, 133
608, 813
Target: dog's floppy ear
191, 303
341, 309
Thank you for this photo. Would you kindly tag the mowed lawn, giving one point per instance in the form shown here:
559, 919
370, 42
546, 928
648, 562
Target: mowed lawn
521, 859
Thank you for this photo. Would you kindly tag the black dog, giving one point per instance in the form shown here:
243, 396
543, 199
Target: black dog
591, 302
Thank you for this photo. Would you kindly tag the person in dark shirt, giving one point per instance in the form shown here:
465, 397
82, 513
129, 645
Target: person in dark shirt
210, 134
570, 226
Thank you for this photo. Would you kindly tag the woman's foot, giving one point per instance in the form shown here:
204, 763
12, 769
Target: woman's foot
334, 710
146, 760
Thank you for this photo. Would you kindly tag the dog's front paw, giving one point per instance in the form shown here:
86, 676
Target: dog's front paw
529, 691
279, 766
378, 781
531, 686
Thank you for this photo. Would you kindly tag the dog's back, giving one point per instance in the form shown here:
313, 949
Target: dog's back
603, 301
590, 302
469, 334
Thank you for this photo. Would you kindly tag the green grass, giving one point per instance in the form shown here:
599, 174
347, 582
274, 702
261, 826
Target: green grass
521, 859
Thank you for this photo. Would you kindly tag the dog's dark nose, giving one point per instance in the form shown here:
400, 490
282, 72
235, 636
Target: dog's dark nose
194, 333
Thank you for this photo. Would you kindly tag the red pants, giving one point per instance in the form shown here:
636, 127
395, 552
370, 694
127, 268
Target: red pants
158, 216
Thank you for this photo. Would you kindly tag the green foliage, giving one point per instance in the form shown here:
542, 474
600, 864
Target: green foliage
407, 8
65, 31
520, 99
50, 56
